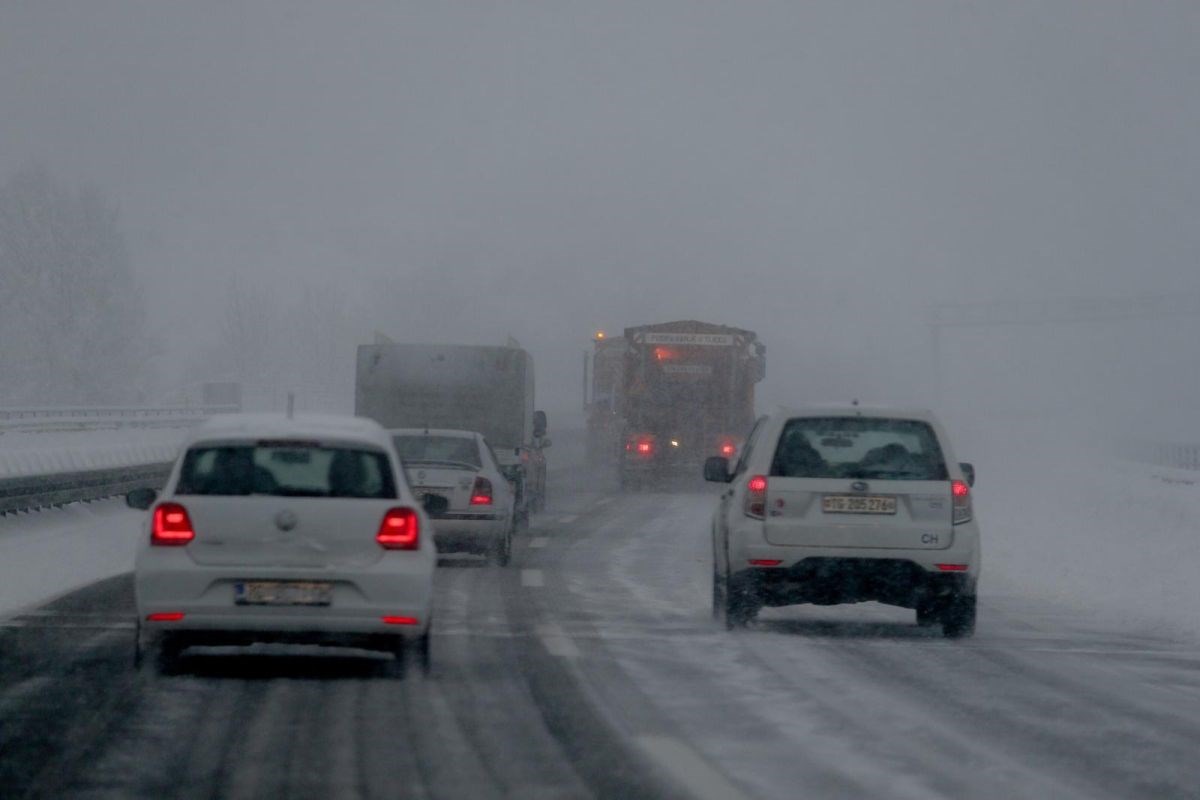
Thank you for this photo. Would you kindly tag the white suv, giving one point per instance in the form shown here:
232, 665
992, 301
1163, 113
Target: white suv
844, 505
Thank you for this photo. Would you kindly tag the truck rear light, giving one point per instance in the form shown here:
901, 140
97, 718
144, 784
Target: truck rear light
400, 530
727, 449
961, 494
756, 497
171, 526
642, 444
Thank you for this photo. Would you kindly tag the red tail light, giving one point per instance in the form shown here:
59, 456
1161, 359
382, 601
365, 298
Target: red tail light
756, 497
961, 494
953, 567
391, 620
171, 526
641, 444
400, 530
765, 562
481, 492
727, 449
165, 616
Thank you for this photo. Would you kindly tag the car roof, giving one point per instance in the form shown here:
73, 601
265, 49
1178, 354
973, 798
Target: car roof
857, 410
450, 432
328, 427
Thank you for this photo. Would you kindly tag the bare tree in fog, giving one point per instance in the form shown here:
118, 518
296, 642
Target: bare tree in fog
72, 319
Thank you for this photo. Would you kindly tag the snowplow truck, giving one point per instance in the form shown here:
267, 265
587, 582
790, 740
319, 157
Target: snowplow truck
665, 397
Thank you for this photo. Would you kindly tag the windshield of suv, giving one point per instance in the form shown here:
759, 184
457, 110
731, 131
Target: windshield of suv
859, 447
293, 469
437, 449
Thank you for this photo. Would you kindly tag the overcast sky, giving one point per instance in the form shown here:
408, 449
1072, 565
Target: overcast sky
821, 172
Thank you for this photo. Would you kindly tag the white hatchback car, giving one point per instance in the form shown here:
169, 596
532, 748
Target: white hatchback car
460, 481
272, 529
844, 505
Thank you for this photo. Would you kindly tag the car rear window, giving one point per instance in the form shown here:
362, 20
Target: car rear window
431, 448
290, 469
859, 447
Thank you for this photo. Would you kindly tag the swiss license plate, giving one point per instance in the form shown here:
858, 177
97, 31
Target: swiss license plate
858, 504
283, 593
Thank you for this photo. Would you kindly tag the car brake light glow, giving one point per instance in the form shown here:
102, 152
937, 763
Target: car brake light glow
952, 567
392, 620
765, 562
960, 494
727, 449
171, 526
400, 530
481, 492
165, 616
756, 497
644, 446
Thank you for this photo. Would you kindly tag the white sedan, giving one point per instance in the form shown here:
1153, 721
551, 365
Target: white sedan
273, 529
460, 481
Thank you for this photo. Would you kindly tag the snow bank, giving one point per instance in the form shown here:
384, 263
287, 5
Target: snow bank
44, 453
47, 553
1069, 525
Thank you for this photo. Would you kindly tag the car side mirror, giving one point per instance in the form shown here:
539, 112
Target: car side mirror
716, 469
141, 499
968, 471
435, 504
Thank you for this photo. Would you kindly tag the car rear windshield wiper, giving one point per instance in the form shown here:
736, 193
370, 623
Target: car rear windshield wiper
441, 462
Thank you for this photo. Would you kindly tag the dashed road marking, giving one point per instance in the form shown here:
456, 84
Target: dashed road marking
688, 768
556, 642
532, 577
538, 541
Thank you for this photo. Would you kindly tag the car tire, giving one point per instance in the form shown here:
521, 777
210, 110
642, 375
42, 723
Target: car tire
958, 617
739, 604
165, 654
422, 652
501, 553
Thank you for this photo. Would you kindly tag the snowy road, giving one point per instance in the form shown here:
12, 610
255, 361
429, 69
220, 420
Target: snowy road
591, 668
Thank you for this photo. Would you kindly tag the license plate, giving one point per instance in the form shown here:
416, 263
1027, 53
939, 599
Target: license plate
858, 504
283, 593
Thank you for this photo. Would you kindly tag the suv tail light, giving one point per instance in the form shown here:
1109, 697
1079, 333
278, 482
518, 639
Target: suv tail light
961, 494
171, 526
400, 530
481, 492
756, 497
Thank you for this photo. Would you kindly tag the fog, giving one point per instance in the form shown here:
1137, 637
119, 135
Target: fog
824, 173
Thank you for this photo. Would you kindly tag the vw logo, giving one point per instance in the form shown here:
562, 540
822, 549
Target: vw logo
859, 486
285, 520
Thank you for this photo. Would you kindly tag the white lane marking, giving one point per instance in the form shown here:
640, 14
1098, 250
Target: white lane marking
532, 577
687, 767
538, 541
556, 642
568, 519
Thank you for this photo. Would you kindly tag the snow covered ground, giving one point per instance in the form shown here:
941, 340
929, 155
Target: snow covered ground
47, 553
70, 451
1063, 526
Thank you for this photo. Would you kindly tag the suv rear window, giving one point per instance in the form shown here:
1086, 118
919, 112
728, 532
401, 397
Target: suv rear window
859, 447
290, 469
438, 449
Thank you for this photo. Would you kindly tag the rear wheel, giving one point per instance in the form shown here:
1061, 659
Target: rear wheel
738, 604
502, 549
958, 617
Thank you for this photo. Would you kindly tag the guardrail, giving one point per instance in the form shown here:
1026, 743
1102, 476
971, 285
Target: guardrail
31, 492
80, 418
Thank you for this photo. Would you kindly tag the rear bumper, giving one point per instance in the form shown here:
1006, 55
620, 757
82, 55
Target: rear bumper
360, 600
458, 534
836, 580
